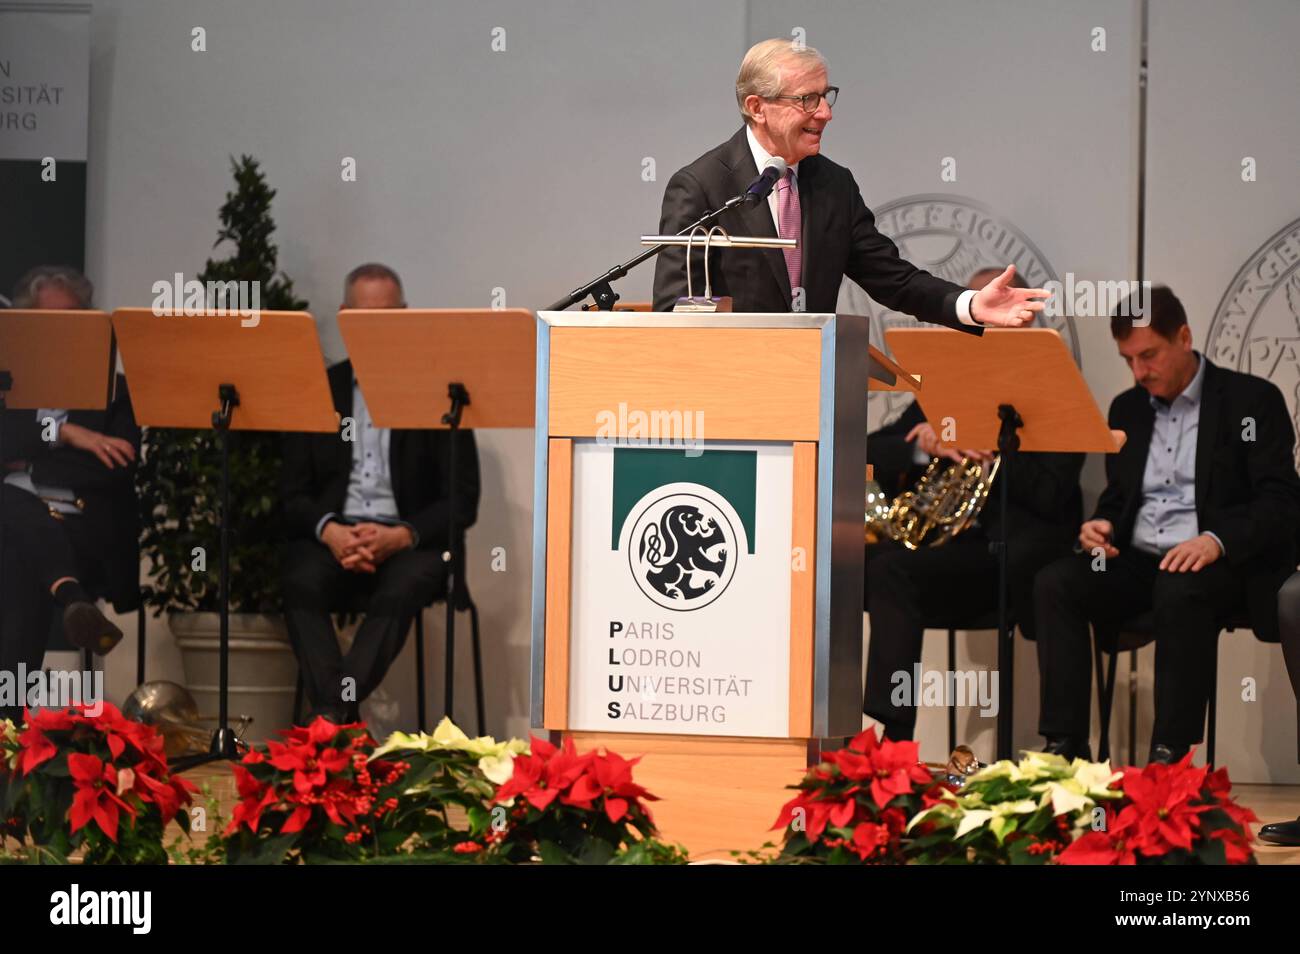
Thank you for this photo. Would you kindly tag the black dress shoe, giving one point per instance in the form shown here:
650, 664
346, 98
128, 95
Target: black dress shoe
87, 628
1282, 833
1068, 748
1162, 754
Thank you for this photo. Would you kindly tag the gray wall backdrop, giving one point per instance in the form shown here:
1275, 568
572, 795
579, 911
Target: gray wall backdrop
522, 170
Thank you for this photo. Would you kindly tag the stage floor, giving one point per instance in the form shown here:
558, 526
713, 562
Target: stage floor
1270, 802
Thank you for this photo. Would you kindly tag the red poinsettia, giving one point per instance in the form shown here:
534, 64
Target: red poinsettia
97, 794
545, 773
318, 782
563, 796
855, 803
254, 797
1169, 812
609, 775
894, 768
108, 769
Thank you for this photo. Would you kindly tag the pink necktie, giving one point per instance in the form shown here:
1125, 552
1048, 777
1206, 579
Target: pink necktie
788, 216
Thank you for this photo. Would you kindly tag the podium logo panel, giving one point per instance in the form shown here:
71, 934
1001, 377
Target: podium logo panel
680, 589
683, 549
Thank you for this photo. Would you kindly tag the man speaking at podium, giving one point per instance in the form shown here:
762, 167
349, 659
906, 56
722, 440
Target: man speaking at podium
786, 102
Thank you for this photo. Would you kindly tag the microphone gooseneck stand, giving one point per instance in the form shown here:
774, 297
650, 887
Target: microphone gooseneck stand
603, 293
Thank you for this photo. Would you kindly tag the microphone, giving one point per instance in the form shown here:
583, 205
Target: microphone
759, 189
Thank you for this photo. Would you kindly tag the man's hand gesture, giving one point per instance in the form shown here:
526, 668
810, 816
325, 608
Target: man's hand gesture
1000, 305
112, 452
1098, 533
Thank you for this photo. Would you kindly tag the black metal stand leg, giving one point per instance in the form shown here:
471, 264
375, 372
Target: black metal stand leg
1212, 714
225, 745
1132, 706
478, 669
141, 624
449, 661
452, 556
952, 708
1008, 444
1099, 670
419, 670
297, 698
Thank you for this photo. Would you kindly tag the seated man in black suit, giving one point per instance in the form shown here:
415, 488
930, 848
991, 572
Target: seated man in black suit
71, 526
784, 97
367, 510
962, 575
1198, 518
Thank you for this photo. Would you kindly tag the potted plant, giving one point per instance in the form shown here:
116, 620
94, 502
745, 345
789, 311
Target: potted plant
178, 485
88, 781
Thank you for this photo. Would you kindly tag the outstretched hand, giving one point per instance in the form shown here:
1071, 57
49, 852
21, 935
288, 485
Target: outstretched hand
1001, 305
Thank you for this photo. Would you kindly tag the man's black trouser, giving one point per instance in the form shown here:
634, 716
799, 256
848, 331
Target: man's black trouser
1189, 612
316, 585
1288, 622
38, 551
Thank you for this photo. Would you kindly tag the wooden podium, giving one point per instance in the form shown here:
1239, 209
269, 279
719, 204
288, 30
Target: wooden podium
698, 559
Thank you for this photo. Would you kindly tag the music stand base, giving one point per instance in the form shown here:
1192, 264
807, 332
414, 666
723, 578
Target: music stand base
223, 748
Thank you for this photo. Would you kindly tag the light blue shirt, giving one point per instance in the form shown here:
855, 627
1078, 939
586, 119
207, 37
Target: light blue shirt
370, 486
1167, 515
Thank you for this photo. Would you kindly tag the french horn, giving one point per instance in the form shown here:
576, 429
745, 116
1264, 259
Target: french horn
945, 501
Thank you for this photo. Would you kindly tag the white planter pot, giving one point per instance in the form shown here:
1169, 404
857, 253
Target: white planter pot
263, 670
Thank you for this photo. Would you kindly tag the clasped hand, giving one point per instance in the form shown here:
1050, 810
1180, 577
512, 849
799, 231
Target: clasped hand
363, 547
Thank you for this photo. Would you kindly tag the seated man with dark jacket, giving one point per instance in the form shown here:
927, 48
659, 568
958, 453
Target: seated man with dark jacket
906, 587
1197, 519
367, 513
71, 524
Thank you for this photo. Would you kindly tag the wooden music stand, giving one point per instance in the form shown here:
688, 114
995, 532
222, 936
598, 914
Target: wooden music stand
193, 372
445, 368
1013, 389
55, 359
887, 375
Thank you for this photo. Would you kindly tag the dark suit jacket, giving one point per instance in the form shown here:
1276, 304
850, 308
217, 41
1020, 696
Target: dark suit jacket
839, 238
314, 478
890, 453
111, 516
1247, 491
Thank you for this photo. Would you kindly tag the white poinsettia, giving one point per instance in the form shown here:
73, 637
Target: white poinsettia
972, 820
448, 736
9, 748
1037, 765
1096, 777
498, 769
1065, 797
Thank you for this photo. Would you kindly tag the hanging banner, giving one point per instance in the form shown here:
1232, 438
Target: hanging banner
44, 115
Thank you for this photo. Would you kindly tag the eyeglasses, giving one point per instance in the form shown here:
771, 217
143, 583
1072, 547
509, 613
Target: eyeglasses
810, 101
